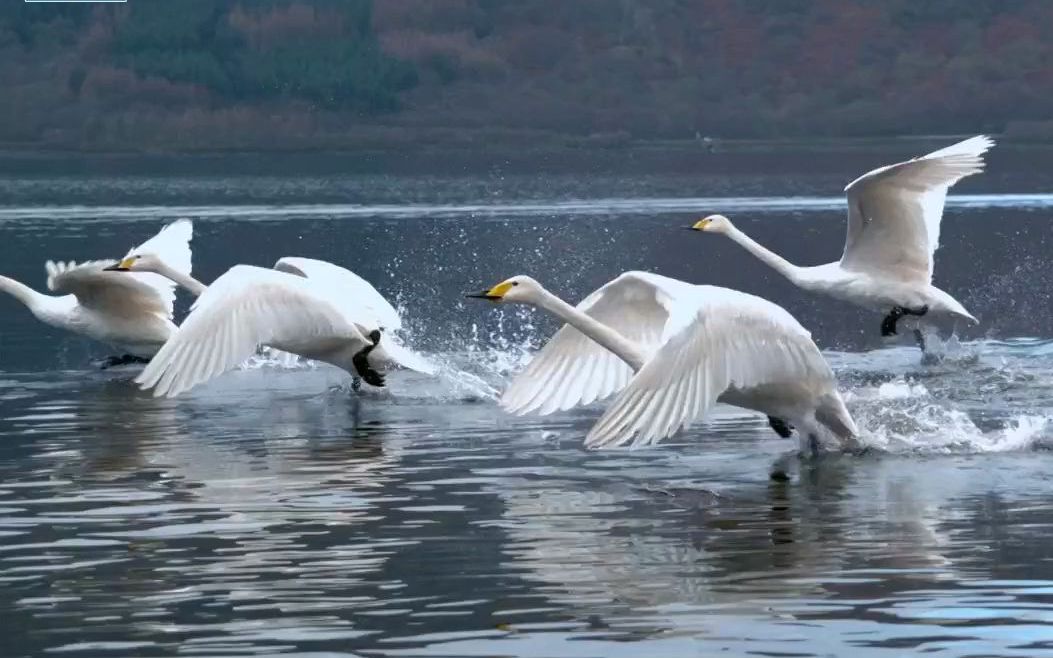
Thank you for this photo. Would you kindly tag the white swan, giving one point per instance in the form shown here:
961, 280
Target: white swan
894, 215
133, 313
307, 307
674, 349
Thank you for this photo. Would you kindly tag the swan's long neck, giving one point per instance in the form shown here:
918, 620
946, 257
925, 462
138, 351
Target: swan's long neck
621, 346
34, 300
769, 257
192, 285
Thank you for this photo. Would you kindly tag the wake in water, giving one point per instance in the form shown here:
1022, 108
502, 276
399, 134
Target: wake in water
902, 416
971, 397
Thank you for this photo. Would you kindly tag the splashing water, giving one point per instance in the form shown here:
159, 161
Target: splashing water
902, 416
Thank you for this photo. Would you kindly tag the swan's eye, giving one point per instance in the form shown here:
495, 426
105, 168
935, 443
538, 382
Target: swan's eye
515, 283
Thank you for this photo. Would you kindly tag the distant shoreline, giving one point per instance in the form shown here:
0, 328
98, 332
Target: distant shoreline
655, 156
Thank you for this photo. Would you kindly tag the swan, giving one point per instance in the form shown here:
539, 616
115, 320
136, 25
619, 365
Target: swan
894, 215
671, 350
304, 306
133, 313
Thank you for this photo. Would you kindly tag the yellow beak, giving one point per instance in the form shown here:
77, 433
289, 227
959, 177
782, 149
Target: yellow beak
701, 224
493, 294
123, 266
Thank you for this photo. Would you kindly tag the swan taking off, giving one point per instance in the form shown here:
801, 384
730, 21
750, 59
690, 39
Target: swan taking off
133, 313
308, 307
672, 350
894, 215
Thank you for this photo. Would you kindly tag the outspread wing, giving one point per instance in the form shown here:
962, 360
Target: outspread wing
362, 303
246, 307
171, 245
573, 370
112, 293
722, 339
127, 293
894, 212
361, 298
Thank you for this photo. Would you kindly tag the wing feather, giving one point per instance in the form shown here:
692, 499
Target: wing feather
246, 307
125, 293
112, 293
572, 369
172, 246
730, 340
894, 212
363, 298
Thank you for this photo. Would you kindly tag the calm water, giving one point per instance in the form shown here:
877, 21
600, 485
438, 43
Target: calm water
273, 511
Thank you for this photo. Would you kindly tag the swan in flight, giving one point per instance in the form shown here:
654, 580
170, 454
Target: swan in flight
671, 350
307, 307
894, 215
133, 313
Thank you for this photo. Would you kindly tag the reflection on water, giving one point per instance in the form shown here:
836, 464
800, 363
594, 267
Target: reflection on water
273, 511
265, 519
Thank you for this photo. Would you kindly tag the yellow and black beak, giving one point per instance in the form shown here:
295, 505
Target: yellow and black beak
700, 225
495, 294
122, 266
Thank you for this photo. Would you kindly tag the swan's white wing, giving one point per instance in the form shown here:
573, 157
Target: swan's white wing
171, 245
112, 293
894, 212
722, 338
572, 369
246, 307
396, 352
361, 297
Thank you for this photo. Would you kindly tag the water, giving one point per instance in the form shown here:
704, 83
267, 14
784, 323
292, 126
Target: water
273, 511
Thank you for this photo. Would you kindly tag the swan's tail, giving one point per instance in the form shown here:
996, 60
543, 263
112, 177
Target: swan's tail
394, 351
832, 413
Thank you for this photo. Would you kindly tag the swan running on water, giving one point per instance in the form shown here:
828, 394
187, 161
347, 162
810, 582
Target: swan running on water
672, 350
133, 313
894, 215
307, 307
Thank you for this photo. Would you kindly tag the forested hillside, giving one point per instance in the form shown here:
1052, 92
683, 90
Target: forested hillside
215, 74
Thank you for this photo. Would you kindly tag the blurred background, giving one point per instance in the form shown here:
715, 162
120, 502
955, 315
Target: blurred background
156, 75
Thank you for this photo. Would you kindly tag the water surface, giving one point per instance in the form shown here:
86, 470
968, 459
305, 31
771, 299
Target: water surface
274, 511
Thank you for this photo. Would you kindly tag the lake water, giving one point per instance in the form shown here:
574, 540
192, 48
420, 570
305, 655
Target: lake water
274, 511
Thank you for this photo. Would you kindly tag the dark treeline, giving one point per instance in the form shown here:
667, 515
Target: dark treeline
204, 74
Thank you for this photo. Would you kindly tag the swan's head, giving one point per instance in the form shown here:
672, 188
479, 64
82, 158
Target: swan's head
137, 263
517, 289
713, 224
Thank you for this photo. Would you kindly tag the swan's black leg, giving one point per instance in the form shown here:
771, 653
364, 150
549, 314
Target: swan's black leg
781, 427
888, 325
813, 445
920, 339
780, 470
361, 362
123, 360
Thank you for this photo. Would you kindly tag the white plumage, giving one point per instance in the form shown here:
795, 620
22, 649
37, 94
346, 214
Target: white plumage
677, 349
307, 307
133, 313
894, 216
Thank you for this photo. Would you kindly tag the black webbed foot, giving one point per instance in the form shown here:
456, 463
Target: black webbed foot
361, 362
123, 360
888, 325
781, 427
